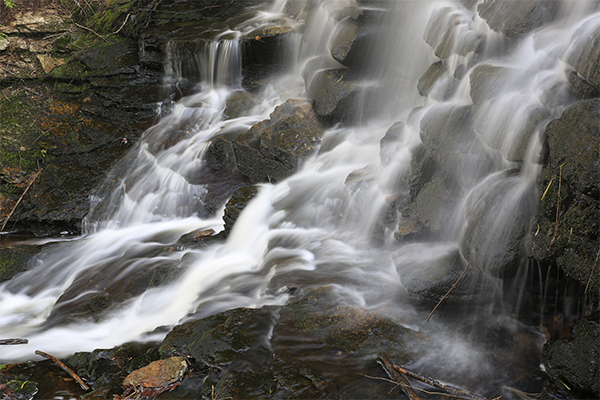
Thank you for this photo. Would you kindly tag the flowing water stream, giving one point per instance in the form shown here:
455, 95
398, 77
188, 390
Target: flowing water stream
153, 197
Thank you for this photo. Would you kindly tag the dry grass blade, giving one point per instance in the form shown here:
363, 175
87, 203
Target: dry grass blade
20, 198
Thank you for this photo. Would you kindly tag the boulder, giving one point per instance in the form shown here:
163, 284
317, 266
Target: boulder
573, 167
437, 77
495, 224
505, 122
448, 136
583, 54
430, 270
515, 18
449, 32
435, 202
336, 94
353, 42
272, 150
573, 361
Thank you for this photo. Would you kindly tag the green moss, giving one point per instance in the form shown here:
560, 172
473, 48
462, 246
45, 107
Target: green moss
110, 19
72, 70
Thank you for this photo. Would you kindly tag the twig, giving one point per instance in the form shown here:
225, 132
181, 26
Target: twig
448, 292
397, 377
12, 342
20, 198
435, 383
557, 206
64, 368
122, 25
91, 30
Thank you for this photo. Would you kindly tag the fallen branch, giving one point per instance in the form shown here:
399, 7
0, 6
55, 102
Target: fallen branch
432, 382
397, 377
20, 198
64, 368
12, 342
448, 292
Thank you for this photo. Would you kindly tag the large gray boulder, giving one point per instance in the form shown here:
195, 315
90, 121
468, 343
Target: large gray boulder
353, 42
494, 100
515, 18
337, 94
448, 136
449, 32
495, 223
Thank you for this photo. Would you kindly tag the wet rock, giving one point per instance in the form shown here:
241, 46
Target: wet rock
337, 95
574, 166
449, 32
353, 42
496, 221
514, 19
333, 339
430, 271
17, 388
14, 259
493, 101
158, 374
448, 136
214, 342
105, 369
423, 168
239, 103
573, 362
236, 204
582, 86
583, 54
437, 76
272, 150
435, 202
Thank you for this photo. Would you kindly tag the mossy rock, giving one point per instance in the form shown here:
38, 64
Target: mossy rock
569, 185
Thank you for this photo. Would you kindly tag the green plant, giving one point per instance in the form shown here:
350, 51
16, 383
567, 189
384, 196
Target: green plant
9, 3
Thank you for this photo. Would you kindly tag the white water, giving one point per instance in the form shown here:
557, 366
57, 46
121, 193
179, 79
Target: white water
323, 220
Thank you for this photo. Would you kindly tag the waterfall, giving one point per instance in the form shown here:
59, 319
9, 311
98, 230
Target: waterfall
481, 121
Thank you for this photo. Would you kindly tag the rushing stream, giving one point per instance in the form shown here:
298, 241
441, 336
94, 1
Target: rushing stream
327, 223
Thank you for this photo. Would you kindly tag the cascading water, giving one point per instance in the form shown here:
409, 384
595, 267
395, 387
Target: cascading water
328, 212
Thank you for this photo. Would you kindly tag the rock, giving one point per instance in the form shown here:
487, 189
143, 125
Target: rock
448, 136
515, 18
216, 341
495, 224
582, 86
449, 32
435, 202
272, 150
573, 362
353, 43
574, 163
430, 270
583, 53
493, 101
337, 94
36, 20
437, 76
105, 369
239, 103
158, 374
236, 204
